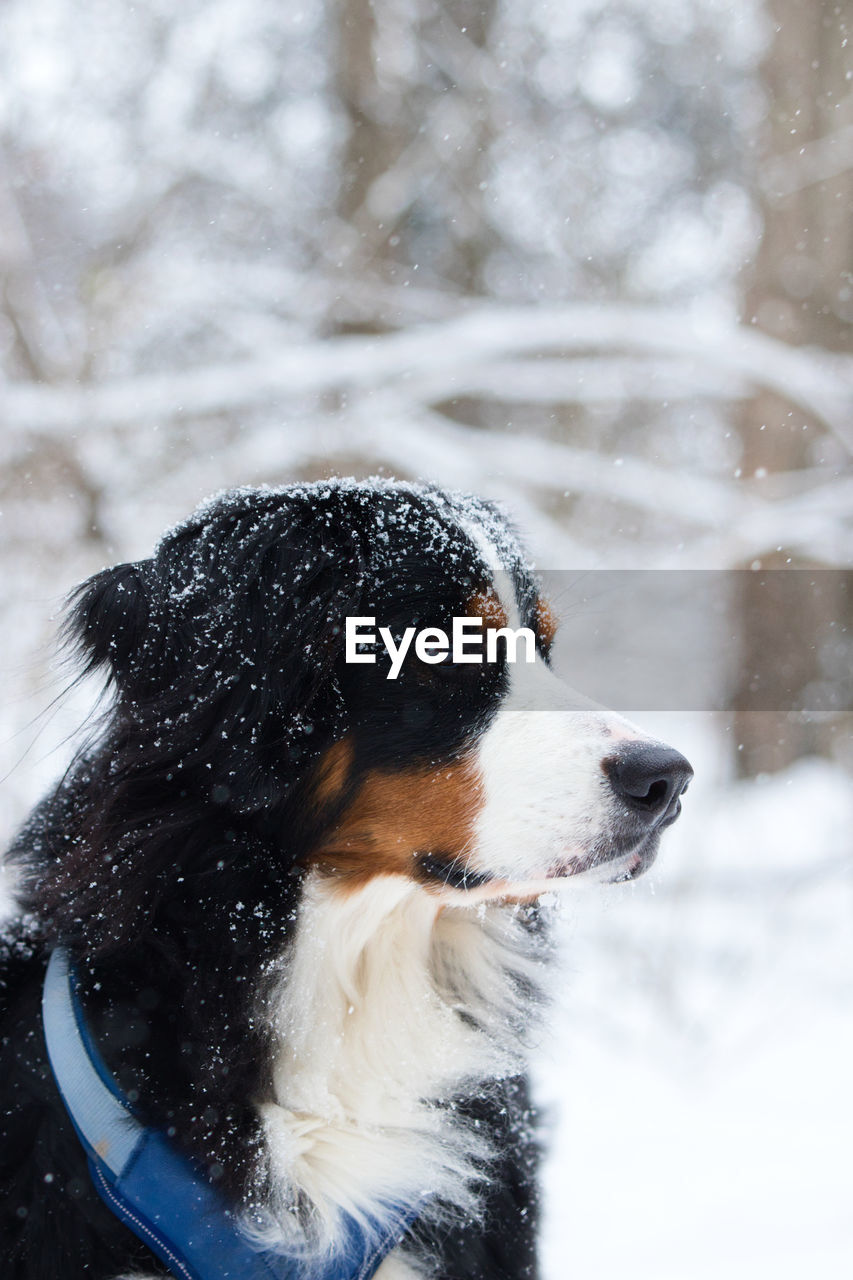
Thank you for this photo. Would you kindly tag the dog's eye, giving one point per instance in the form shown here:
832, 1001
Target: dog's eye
443, 666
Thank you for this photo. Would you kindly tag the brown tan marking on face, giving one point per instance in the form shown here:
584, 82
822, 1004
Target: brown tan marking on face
333, 772
546, 623
396, 815
486, 605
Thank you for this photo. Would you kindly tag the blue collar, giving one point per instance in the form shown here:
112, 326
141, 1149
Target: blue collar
156, 1190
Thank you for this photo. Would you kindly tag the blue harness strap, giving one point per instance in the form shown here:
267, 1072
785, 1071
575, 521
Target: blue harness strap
156, 1190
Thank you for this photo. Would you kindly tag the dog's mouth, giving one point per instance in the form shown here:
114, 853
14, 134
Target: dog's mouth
626, 856
636, 863
641, 858
613, 864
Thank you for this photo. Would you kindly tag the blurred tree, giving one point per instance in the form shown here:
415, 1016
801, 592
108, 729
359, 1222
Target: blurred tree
415, 80
799, 290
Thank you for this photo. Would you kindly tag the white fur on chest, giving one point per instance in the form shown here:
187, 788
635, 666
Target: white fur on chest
384, 1009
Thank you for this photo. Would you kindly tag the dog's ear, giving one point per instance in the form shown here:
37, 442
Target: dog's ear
108, 620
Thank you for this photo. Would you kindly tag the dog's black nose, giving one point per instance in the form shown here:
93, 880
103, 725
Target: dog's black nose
650, 779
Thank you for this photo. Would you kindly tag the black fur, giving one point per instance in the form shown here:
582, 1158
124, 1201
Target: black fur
170, 858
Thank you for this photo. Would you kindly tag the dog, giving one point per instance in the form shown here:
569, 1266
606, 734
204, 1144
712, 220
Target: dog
288, 906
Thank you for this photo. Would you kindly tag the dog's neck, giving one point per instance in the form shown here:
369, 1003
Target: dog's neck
385, 1008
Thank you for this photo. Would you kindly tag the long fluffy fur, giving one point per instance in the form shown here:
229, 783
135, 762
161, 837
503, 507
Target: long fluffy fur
385, 1011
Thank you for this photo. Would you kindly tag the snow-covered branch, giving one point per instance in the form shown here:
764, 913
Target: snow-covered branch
445, 359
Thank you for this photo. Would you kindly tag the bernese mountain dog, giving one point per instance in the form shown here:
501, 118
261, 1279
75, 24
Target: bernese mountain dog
301, 898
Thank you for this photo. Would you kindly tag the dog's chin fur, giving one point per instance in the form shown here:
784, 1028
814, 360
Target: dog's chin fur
385, 1010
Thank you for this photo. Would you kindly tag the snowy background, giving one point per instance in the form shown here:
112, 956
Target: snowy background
593, 259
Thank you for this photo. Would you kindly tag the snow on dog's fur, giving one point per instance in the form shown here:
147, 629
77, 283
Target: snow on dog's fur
303, 898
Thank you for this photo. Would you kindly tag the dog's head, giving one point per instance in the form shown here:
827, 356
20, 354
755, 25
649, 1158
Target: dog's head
239, 683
